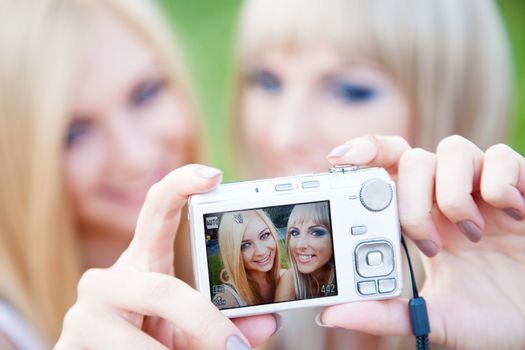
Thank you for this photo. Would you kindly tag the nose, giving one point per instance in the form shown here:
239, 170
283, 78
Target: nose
302, 242
289, 129
133, 150
260, 249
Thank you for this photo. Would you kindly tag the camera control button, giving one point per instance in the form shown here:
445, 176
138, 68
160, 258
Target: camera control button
387, 285
375, 195
284, 187
374, 258
359, 230
367, 287
310, 184
369, 263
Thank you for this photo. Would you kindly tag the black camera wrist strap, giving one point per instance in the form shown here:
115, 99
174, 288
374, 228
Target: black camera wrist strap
418, 309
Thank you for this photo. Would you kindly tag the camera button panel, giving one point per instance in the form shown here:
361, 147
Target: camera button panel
376, 195
310, 184
284, 187
358, 230
387, 285
374, 259
367, 287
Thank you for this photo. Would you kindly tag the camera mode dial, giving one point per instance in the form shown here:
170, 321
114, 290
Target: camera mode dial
375, 194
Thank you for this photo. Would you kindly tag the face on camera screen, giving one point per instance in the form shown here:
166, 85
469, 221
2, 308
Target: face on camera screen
273, 254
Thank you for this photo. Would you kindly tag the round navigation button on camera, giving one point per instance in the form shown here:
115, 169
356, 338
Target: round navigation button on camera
375, 195
374, 258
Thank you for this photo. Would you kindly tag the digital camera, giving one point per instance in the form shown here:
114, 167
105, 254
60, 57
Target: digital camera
311, 240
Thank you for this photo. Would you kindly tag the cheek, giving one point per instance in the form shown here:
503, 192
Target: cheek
173, 127
246, 256
271, 245
84, 174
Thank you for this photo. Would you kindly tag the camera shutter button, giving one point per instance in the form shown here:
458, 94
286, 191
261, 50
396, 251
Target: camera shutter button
375, 194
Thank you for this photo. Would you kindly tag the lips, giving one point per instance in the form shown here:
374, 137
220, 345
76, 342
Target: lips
265, 260
305, 258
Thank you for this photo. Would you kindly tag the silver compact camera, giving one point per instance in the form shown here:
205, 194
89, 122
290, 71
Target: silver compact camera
311, 240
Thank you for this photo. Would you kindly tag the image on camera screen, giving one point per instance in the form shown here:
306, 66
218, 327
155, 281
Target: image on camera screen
273, 254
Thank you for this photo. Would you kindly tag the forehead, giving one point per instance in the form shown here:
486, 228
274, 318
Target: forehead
114, 55
254, 226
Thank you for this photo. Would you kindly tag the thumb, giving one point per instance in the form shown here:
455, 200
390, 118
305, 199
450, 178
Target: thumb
383, 317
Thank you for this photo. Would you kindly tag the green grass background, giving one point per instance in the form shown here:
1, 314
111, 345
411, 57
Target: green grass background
206, 31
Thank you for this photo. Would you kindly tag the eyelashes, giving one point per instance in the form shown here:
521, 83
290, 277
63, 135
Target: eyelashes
346, 91
146, 91
77, 130
266, 81
352, 93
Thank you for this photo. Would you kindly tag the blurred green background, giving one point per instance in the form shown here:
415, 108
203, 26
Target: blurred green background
206, 31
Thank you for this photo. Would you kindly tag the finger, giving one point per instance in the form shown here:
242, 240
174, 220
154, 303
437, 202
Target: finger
156, 294
385, 317
152, 244
371, 150
258, 328
503, 180
458, 173
415, 186
86, 329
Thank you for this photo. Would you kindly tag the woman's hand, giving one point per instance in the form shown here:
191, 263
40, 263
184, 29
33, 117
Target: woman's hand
465, 209
138, 304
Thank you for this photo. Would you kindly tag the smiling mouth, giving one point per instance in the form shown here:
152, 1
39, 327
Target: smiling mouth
305, 259
264, 260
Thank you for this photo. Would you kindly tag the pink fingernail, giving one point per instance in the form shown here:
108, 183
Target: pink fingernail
513, 213
428, 247
278, 323
208, 172
236, 343
470, 229
320, 323
340, 151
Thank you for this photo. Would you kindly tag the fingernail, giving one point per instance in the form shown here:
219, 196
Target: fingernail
278, 323
320, 323
235, 343
428, 247
470, 229
340, 151
513, 213
208, 172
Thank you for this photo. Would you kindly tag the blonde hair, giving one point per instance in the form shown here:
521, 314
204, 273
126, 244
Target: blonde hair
41, 42
451, 58
307, 285
231, 231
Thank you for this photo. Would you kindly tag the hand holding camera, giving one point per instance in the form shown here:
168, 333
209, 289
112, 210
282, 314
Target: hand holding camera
468, 205
138, 303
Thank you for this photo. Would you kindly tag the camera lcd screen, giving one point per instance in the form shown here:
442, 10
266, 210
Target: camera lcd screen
273, 254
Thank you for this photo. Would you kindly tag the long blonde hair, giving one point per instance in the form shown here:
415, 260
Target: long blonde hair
307, 285
231, 232
41, 42
451, 58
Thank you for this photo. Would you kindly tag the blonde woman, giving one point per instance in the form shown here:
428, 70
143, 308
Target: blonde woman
310, 253
94, 109
315, 75
250, 253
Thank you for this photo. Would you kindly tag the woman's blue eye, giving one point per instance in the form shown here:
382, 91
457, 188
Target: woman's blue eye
77, 130
294, 232
264, 236
146, 92
245, 245
319, 232
267, 81
353, 93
